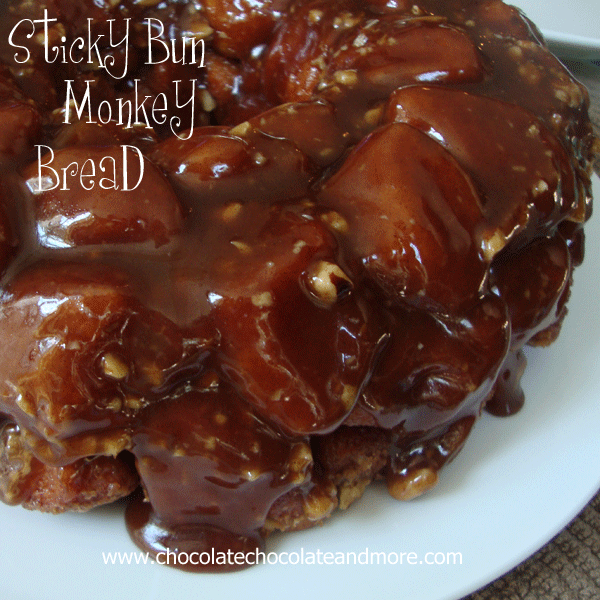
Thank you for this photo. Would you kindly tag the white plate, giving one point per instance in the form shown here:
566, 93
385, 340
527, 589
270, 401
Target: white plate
516, 484
571, 28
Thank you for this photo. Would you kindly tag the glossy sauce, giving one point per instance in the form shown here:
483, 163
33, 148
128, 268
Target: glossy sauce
335, 244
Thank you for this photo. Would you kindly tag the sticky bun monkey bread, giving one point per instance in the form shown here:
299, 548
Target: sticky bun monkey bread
257, 255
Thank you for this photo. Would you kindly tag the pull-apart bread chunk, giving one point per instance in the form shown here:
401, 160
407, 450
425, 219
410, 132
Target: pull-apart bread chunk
310, 262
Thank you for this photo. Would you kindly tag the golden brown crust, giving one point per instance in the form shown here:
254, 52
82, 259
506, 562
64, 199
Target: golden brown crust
78, 486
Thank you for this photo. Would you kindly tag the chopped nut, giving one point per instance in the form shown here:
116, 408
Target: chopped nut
373, 117
231, 211
348, 396
241, 130
527, 45
568, 93
327, 282
492, 245
196, 28
301, 458
319, 62
153, 374
346, 21
220, 419
208, 102
298, 246
539, 188
561, 95
533, 130
259, 159
335, 221
263, 300
276, 396
530, 73
360, 40
315, 15
348, 77
111, 446
26, 404
410, 485
133, 403
113, 366
251, 474
515, 52
115, 404
242, 246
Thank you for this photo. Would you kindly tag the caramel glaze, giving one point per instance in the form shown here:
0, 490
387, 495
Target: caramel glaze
380, 205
